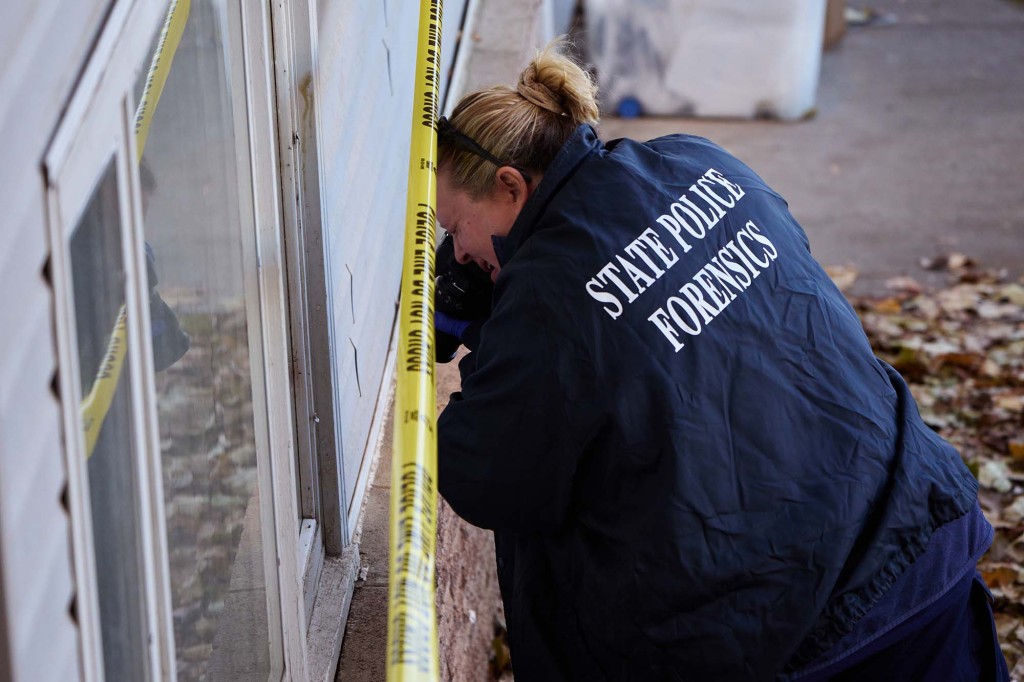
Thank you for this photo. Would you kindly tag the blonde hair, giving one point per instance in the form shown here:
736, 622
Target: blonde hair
524, 126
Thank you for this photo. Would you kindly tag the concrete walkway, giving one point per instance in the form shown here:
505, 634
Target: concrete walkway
917, 148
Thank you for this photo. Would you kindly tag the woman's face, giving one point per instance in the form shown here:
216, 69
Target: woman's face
472, 222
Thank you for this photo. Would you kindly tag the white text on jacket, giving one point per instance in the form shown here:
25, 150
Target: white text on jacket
707, 293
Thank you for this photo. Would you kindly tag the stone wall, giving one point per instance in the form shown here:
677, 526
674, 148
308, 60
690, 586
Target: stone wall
468, 603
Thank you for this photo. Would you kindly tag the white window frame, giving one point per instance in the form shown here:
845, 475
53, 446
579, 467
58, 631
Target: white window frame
256, 42
98, 126
320, 488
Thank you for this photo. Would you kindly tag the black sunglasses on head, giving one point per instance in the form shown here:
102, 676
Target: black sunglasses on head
449, 134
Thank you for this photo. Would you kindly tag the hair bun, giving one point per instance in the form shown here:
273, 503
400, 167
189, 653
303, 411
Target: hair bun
556, 83
537, 92
522, 126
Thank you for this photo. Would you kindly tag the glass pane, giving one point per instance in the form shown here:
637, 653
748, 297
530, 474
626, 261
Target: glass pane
196, 187
98, 281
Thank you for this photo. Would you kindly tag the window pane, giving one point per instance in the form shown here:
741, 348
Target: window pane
196, 189
98, 281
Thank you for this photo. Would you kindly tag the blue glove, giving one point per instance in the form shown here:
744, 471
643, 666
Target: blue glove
450, 325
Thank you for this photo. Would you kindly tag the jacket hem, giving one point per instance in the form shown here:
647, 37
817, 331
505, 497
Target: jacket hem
840, 617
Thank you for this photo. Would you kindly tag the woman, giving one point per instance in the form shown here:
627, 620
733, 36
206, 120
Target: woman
694, 466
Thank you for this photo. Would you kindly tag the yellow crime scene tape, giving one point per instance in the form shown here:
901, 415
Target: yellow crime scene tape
96, 404
412, 653
159, 68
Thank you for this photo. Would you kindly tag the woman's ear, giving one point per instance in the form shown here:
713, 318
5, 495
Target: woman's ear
511, 185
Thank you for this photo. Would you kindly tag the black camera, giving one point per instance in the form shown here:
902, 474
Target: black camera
460, 291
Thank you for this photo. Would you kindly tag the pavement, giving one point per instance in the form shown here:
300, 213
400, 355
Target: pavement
916, 149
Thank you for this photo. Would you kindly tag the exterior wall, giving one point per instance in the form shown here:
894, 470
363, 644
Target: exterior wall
42, 48
365, 95
365, 85
469, 612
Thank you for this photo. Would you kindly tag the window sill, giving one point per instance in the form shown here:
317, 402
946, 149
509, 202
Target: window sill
330, 613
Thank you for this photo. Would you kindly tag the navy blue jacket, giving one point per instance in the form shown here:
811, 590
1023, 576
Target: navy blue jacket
694, 465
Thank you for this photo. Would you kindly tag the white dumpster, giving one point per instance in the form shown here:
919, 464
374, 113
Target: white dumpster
716, 58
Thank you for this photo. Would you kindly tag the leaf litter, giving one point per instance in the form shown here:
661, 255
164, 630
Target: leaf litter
961, 350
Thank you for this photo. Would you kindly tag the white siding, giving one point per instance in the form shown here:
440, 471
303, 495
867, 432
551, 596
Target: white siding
43, 46
34, 538
366, 58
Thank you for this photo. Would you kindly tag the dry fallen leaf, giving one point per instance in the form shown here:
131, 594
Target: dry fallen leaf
995, 475
888, 306
1009, 402
1015, 512
949, 261
904, 284
1012, 293
1000, 575
843, 276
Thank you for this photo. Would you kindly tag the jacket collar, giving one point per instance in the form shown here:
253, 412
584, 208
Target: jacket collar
582, 142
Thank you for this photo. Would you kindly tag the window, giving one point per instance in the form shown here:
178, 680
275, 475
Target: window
199, 231
98, 290
173, 350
